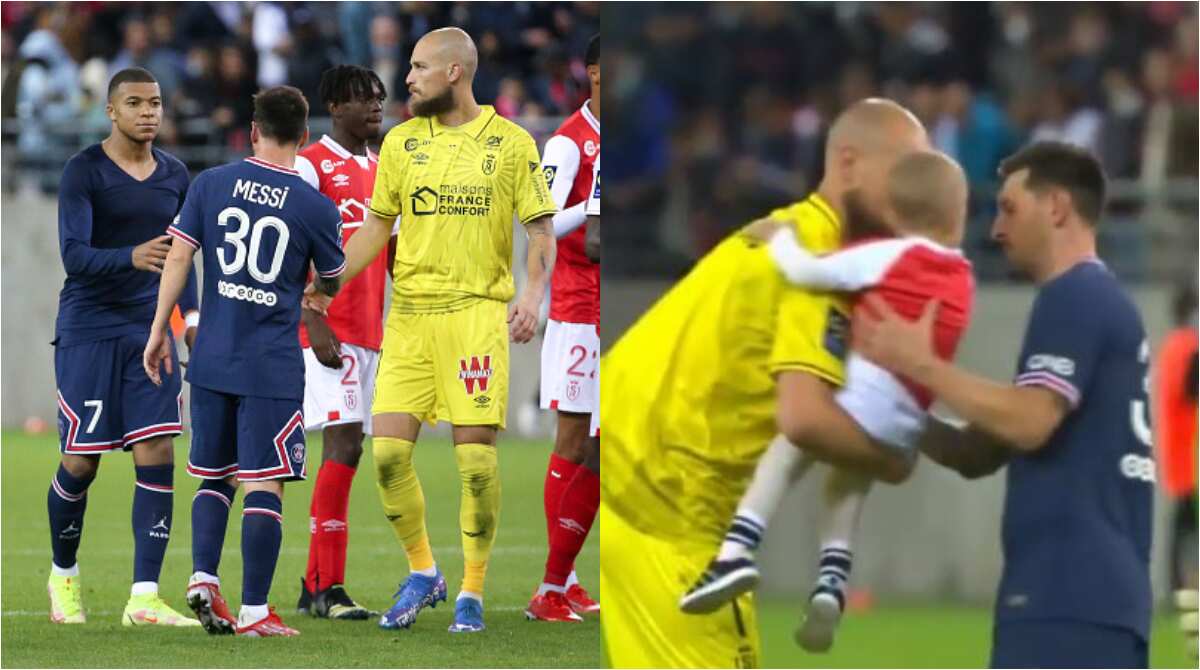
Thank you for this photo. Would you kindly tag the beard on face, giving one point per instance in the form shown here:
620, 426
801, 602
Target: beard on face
861, 221
438, 104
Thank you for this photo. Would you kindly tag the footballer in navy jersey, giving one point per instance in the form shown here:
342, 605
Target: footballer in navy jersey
116, 199
1073, 428
259, 227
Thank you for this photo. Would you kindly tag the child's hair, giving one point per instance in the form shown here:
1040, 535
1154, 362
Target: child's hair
924, 188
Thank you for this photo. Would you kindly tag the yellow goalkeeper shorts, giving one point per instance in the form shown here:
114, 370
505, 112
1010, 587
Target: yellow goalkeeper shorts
641, 580
450, 366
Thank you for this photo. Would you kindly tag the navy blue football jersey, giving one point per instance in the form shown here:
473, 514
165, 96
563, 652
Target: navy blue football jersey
259, 226
103, 213
1078, 512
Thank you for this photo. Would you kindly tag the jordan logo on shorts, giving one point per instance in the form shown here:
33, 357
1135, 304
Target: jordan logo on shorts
476, 373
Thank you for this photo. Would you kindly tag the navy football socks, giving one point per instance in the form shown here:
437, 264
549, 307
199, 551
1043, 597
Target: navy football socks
66, 502
152, 507
262, 531
210, 516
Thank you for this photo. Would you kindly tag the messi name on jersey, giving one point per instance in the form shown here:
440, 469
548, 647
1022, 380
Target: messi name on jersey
252, 191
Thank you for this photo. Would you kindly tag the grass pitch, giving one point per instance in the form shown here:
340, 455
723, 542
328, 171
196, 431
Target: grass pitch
919, 636
375, 566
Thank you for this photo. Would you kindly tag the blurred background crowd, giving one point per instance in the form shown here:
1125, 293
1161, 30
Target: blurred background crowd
721, 111
210, 57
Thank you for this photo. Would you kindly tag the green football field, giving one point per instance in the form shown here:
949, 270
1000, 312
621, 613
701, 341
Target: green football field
375, 566
918, 636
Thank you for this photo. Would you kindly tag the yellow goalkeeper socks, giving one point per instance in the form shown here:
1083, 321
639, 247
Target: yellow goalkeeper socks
403, 500
480, 510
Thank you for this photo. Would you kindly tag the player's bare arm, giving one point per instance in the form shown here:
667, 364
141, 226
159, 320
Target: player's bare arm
174, 277
963, 449
360, 251
325, 344
539, 264
808, 416
1022, 418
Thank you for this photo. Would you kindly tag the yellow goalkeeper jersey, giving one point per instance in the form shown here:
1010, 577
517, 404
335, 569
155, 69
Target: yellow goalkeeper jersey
456, 191
688, 392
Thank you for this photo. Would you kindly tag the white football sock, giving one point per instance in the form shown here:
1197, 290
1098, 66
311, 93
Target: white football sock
781, 466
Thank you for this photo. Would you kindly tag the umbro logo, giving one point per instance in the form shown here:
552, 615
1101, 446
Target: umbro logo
571, 525
333, 525
555, 475
478, 533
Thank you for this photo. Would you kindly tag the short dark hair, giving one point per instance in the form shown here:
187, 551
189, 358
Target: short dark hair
1065, 166
593, 51
130, 75
281, 113
343, 83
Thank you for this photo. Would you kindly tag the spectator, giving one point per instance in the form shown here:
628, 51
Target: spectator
48, 95
271, 41
140, 49
310, 57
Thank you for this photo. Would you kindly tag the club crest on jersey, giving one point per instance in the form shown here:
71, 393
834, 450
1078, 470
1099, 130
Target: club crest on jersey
424, 201
489, 164
549, 171
351, 399
298, 452
410, 144
477, 373
572, 390
590, 148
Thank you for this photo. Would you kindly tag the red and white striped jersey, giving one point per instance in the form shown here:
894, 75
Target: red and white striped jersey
356, 315
567, 162
906, 272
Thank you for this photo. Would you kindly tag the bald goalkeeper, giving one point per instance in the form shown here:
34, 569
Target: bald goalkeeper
694, 391
455, 176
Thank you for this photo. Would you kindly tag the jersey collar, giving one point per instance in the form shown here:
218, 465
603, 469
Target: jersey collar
824, 208
587, 114
341, 151
271, 166
474, 127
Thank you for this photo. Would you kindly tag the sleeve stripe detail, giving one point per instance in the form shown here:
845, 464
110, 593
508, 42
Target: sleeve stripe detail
180, 235
383, 214
1052, 382
334, 272
547, 212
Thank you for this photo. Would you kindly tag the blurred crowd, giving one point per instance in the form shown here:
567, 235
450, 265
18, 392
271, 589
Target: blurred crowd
210, 57
721, 109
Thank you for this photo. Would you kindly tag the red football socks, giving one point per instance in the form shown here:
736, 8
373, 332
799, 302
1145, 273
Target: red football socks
574, 521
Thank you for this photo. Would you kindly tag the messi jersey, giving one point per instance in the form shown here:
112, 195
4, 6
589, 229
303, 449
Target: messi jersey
456, 191
259, 226
688, 392
1077, 514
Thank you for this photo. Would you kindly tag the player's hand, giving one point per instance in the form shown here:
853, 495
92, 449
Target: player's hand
891, 341
315, 300
324, 343
189, 338
523, 317
762, 230
158, 352
151, 256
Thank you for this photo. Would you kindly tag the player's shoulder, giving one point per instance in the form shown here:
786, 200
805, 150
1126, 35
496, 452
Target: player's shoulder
85, 160
415, 127
1089, 290
506, 129
576, 126
174, 165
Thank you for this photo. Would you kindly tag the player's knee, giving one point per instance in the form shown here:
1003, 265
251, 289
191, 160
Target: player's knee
343, 444
81, 467
572, 435
392, 456
155, 451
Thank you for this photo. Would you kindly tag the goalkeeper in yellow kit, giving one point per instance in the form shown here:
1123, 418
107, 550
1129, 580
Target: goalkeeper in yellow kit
456, 175
694, 391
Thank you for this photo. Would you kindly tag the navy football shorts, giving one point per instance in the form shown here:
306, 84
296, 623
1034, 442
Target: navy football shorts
254, 438
106, 401
1060, 643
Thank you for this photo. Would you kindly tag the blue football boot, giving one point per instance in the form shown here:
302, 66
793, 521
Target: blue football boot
468, 616
417, 592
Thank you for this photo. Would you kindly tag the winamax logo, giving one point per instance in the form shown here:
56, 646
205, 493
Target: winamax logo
475, 373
